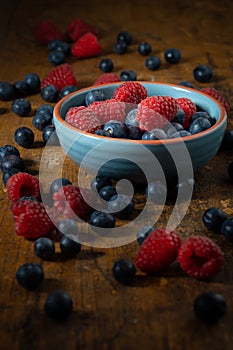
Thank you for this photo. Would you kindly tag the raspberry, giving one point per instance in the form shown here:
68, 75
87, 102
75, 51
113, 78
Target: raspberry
77, 28
69, 202
106, 78
158, 251
47, 31
74, 110
60, 76
86, 46
31, 219
22, 185
200, 257
84, 119
189, 108
218, 96
109, 109
130, 92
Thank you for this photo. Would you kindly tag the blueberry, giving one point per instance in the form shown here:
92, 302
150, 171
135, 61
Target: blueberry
41, 120
203, 114
45, 108
153, 62
131, 117
203, 73
186, 83
102, 132
33, 82
99, 182
143, 233
21, 107
12, 161
107, 192
30, 275
21, 88
124, 36
67, 227
7, 91
50, 93
106, 65
57, 184
56, 57
180, 133
120, 47
209, 307
134, 132
49, 133
179, 117
172, 55
124, 271
144, 48
172, 128
156, 192
227, 229
7, 150
213, 219
100, 219
227, 141
198, 125
128, 75
230, 170
93, 96
59, 45
44, 248
67, 90
116, 129
155, 134
121, 206
8, 174
58, 305
24, 137
69, 247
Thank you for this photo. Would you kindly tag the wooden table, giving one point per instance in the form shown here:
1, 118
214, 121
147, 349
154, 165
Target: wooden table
155, 312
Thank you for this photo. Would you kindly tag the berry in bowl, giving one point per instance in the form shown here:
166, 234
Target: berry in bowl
140, 131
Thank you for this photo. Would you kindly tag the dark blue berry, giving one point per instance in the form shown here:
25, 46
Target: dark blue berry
203, 73
143, 233
44, 248
155, 134
58, 305
49, 133
153, 62
172, 55
227, 229
41, 120
50, 93
99, 182
203, 114
106, 65
21, 107
120, 47
186, 83
102, 132
179, 117
56, 57
67, 227
124, 36
21, 88
172, 128
124, 271
93, 96
12, 161
128, 75
30, 275
134, 132
116, 129
121, 206
67, 90
24, 137
45, 108
131, 117
33, 82
107, 192
209, 307
144, 48
8, 174
180, 133
100, 220
57, 184
59, 45
213, 219
7, 150
7, 91
230, 170
156, 192
199, 124
69, 247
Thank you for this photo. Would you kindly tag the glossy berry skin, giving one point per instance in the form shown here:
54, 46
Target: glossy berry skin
49, 93
67, 90
93, 96
209, 307
58, 305
198, 125
153, 62
121, 206
57, 184
155, 134
172, 55
44, 248
128, 75
56, 57
24, 137
106, 65
21, 107
144, 48
203, 73
8, 174
7, 150
33, 82
120, 47
99, 182
69, 247
12, 161
107, 192
21, 88
134, 132
213, 219
172, 128
67, 227
7, 91
124, 36
227, 229
156, 192
59, 45
143, 233
48, 132
203, 114
102, 220
116, 129
131, 117
30, 275
41, 120
45, 108
124, 271
180, 117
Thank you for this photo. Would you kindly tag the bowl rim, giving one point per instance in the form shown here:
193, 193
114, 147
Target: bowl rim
220, 121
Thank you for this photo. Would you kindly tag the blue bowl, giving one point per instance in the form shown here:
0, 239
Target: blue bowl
141, 160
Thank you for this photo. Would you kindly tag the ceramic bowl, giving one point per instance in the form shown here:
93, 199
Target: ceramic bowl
141, 160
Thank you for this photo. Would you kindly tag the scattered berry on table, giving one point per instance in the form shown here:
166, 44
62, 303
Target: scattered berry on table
69, 247
57, 184
121, 206
156, 192
172, 55
84, 119
21, 107
67, 227
46, 31
199, 124
104, 109
120, 47
49, 93
101, 220
203, 73
144, 48
130, 92
67, 90
106, 78
158, 251
213, 219
153, 62
60, 76
30, 275
21, 88
33, 82
124, 36
209, 307
217, 95
56, 57
227, 229
7, 150
45, 108
116, 129
128, 75
12, 161
77, 28
58, 305
49, 134
8, 174
41, 120
144, 232
107, 192
44, 248
99, 182
24, 137
59, 45
200, 257
86, 46
23, 184
189, 108
124, 271
106, 65
93, 96
7, 91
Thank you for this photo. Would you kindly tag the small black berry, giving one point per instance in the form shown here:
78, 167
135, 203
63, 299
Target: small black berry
58, 305
30, 275
124, 271
209, 307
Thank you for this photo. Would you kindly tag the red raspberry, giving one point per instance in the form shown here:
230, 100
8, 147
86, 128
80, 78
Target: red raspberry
22, 185
31, 219
72, 111
130, 92
218, 96
189, 109
77, 27
60, 76
158, 251
200, 257
86, 46
84, 119
109, 109
69, 202
47, 31
106, 78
